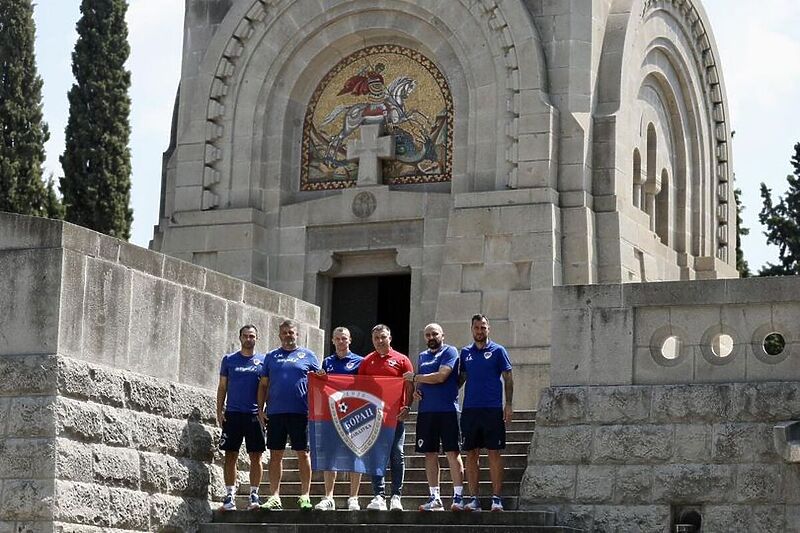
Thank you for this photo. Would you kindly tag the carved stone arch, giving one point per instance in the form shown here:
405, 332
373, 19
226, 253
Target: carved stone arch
679, 109
260, 58
207, 109
677, 30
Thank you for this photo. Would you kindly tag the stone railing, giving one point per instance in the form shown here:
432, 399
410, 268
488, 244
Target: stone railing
677, 332
670, 400
109, 356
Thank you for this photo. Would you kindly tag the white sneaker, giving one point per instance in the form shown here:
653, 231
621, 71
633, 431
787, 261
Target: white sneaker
254, 503
228, 504
473, 505
458, 503
433, 504
326, 504
395, 504
378, 503
497, 503
352, 504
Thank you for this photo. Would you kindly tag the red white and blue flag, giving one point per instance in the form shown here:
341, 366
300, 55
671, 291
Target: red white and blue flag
351, 421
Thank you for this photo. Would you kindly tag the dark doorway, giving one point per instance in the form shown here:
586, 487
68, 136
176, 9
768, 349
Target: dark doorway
360, 303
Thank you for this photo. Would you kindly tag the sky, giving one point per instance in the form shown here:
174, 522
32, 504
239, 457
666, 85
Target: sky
759, 49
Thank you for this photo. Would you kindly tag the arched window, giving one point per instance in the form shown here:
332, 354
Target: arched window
637, 178
663, 208
651, 185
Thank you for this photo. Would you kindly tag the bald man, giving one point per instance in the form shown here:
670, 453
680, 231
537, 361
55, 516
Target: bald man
437, 419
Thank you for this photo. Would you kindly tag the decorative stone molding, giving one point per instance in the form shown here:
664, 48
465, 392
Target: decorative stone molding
217, 99
257, 19
706, 64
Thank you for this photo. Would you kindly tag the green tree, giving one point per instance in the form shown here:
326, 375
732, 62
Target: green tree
741, 262
782, 221
96, 161
22, 131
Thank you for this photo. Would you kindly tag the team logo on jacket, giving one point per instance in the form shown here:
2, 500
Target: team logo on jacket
357, 416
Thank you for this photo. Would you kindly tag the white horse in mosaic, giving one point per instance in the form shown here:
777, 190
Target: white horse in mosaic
394, 112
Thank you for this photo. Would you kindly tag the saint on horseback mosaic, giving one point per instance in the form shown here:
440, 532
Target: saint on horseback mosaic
415, 107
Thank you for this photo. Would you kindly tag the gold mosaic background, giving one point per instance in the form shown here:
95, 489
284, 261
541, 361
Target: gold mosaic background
421, 125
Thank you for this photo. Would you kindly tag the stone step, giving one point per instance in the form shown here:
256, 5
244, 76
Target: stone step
389, 520
415, 460
370, 528
515, 434
410, 487
410, 502
512, 447
516, 425
412, 473
524, 415
414, 495
375, 518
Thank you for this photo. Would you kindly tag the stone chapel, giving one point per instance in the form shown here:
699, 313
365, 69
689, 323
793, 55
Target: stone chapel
411, 161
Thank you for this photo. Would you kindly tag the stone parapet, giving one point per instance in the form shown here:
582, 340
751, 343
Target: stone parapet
99, 299
628, 458
109, 357
714, 331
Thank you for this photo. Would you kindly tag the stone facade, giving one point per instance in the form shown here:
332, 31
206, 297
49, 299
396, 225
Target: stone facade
630, 458
109, 359
590, 144
87, 446
664, 400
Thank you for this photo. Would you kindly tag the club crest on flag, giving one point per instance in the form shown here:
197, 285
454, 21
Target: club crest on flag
357, 416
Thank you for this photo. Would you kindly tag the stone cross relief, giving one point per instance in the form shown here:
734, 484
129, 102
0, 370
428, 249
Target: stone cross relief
369, 150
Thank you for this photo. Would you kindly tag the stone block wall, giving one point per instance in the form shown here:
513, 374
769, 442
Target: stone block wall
132, 452
501, 258
109, 356
627, 458
663, 399
87, 446
27, 446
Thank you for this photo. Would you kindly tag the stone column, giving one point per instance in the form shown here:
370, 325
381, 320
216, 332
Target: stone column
652, 188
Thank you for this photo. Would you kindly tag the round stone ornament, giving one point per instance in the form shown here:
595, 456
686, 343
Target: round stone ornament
364, 204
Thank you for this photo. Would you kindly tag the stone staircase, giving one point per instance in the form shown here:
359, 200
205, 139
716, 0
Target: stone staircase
415, 492
393, 522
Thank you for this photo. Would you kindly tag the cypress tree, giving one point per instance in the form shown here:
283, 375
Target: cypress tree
96, 161
782, 221
22, 131
741, 262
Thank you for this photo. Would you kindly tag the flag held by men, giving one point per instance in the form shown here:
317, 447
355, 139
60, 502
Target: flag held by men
352, 421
